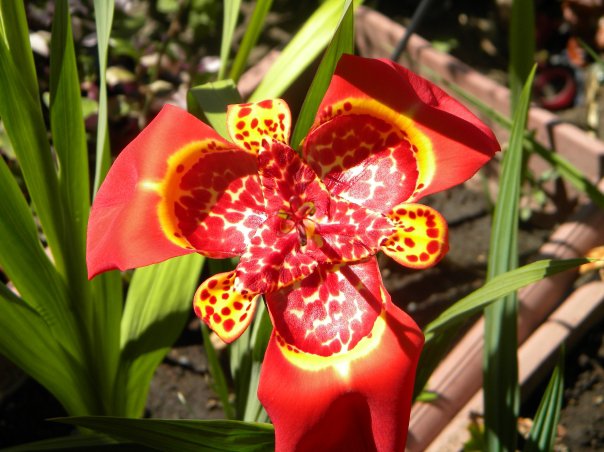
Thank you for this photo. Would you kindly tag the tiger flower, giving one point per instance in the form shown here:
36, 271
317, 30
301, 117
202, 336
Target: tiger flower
340, 365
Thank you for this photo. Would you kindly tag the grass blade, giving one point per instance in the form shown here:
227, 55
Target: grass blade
183, 435
500, 382
543, 432
103, 17
439, 332
522, 46
252, 33
157, 307
219, 384
22, 255
342, 42
14, 29
27, 341
231, 14
301, 51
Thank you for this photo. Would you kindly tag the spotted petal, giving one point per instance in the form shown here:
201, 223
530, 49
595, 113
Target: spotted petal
305, 225
177, 188
420, 239
380, 149
351, 356
224, 309
248, 124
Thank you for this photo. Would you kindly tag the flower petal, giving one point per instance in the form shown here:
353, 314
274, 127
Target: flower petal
430, 138
157, 198
225, 310
420, 239
248, 124
358, 399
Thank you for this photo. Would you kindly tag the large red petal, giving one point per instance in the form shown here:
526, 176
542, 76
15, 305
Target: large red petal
355, 400
140, 213
403, 122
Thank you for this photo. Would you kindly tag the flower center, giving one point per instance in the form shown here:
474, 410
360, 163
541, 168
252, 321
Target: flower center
295, 214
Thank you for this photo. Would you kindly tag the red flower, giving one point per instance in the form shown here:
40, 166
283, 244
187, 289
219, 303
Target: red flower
340, 365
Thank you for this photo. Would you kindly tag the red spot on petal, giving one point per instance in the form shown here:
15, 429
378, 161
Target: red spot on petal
409, 242
266, 104
240, 125
254, 123
216, 318
244, 112
433, 247
225, 311
432, 233
228, 325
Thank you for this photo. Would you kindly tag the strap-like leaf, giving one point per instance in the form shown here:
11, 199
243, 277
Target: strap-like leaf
342, 42
183, 435
26, 340
252, 33
500, 381
301, 51
103, 18
545, 425
29, 268
158, 304
231, 14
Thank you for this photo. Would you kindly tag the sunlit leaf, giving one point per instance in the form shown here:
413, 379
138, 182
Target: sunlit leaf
158, 305
252, 33
302, 50
342, 42
500, 368
231, 14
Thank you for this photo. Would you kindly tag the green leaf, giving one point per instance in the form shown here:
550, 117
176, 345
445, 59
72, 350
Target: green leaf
342, 42
157, 308
28, 267
27, 341
219, 383
252, 33
183, 435
209, 103
85, 443
301, 51
543, 432
522, 46
14, 30
231, 14
500, 368
496, 288
23, 121
441, 330
103, 17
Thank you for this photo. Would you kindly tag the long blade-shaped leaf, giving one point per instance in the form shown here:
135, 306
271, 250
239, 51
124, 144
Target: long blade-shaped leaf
440, 330
80, 443
14, 29
26, 340
252, 33
302, 50
157, 307
500, 383
29, 268
543, 432
103, 17
522, 46
231, 13
342, 42
184, 435
23, 121
498, 287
